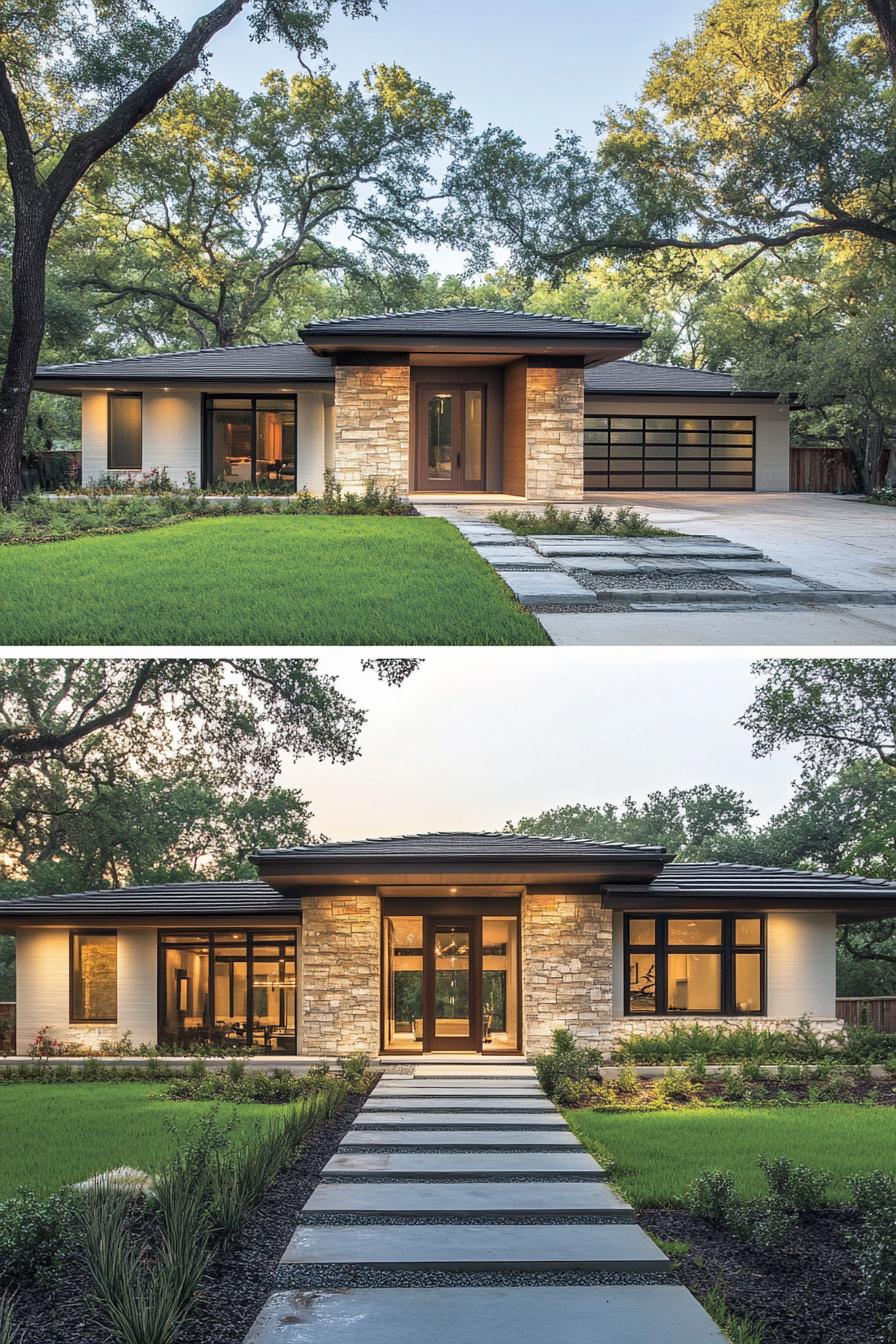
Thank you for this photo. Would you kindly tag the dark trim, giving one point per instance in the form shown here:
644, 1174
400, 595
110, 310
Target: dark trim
246, 931
206, 446
375, 359
727, 950
853, 907
556, 361
629, 395
89, 1021
111, 396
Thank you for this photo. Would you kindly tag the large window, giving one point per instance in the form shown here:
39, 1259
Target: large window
669, 452
231, 987
93, 977
125, 431
251, 440
694, 964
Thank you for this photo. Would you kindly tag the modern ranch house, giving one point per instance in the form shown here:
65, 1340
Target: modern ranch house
434, 944
447, 402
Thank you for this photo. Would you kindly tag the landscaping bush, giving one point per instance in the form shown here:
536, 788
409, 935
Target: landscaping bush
275, 1089
626, 522
679, 1043
713, 1196
35, 1232
567, 1064
874, 1245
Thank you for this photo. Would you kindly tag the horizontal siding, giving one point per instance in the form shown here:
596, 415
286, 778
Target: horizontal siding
138, 984
311, 436
802, 964
94, 435
172, 433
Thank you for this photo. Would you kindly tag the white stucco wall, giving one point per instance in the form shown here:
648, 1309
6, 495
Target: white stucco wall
772, 426
42, 988
172, 433
311, 436
94, 435
800, 967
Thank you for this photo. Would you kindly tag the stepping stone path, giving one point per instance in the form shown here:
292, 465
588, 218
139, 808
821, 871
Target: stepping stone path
541, 571
458, 1207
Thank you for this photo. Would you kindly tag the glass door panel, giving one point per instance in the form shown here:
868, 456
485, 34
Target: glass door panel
473, 435
275, 443
440, 442
452, 984
500, 985
274, 994
232, 988
232, 443
403, 951
185, 973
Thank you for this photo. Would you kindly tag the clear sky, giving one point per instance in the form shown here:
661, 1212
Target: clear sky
478, 737
529, 65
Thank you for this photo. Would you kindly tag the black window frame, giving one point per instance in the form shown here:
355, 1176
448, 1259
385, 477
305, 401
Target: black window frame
208, 409
73, 1018
727, 949
678, 466
250, 933
120, 396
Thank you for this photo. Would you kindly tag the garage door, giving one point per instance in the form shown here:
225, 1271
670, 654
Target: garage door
669, 452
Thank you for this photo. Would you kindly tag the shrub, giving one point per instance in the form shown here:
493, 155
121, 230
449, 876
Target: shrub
35, 1233
355, 1071
626, 522
874, 1246
675, 1086
679, 1042
566, 1062
797, 1187
627, 1084
713, 1196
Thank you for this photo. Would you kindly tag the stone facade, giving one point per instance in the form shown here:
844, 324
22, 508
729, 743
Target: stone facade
567, 969
340, 974
554, 433
373, 425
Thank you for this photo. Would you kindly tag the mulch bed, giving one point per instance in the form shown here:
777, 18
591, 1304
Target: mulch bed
807, 1292
235, 1288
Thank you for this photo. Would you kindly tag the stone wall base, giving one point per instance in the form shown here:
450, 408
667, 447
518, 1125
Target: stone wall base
372, 425
555, 401
340, 974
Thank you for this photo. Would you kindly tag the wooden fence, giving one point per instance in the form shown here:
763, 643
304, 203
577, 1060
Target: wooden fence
822, 469
878, 1012
7, 1028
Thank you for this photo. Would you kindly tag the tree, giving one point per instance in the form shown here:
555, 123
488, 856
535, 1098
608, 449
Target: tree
205, 215
772, 124
686, 821
835, 710
75, 79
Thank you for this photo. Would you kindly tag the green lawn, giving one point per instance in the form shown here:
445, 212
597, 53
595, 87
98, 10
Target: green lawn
54, 1133
261, 580
653, 1156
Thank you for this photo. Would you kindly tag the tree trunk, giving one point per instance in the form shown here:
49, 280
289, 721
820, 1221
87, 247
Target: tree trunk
29, 260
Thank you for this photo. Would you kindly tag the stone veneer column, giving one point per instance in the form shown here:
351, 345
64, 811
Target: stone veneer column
340, 974
373, 425
555, 411
567, 969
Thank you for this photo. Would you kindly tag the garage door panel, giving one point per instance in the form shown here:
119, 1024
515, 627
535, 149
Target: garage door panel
662, 452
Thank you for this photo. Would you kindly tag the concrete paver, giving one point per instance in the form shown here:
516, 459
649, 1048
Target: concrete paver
469, 1139
548, 586
450, 1119
486, 1198
459, 1105
377, 1166
778, 627
614, 1314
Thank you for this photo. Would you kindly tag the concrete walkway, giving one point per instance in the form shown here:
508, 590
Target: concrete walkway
471, 1222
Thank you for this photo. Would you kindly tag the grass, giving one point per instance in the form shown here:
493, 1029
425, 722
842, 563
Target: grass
653, 1156
261, 580
55, 1135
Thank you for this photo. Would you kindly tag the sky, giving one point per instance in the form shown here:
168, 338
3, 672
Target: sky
478, 737
532, 66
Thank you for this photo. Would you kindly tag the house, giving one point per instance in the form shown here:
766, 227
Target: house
443, 402
452, 942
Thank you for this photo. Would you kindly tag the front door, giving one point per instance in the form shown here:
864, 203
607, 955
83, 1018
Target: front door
452, 979
451, 436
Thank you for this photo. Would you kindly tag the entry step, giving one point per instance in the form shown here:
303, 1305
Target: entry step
468, 1120
613, 1313
459, 1138
607, 1248
411, 1104
450, 1166
483, 1199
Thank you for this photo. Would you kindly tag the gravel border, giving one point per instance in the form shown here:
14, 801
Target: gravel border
651, 582
353, 1276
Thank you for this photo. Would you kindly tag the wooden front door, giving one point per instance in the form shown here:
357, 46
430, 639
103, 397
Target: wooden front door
452, 984
451, 436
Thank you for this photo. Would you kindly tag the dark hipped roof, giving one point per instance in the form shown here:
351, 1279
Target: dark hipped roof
629, 377
170, 898
466, 844
743, 879
287, 362
465, 320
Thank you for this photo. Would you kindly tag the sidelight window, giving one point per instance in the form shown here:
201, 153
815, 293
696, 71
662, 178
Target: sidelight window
694, 964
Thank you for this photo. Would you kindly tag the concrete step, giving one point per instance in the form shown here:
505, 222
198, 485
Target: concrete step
483, 1199
505, 557
471, 1120
642, 547
692, 600
485, 1069
611, 1313
608, 1248
411, 1165
421, 1106
459, 1138
548, 587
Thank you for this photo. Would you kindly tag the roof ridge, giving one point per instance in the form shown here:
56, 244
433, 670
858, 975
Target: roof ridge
470, 308
789, 872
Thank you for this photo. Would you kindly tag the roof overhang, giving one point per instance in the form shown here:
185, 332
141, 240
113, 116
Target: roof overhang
590, 349
153, 383
288, 875
848, 906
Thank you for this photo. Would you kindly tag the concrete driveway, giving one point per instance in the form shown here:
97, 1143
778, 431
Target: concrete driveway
837, 540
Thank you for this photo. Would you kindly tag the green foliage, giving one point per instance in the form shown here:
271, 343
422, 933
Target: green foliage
678, 1043
568, 1070
277, 1088
35, 1233
625, 522
874, 1245
795, 1186
676, 1086
737, 1330
9, 1331
713, 1196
